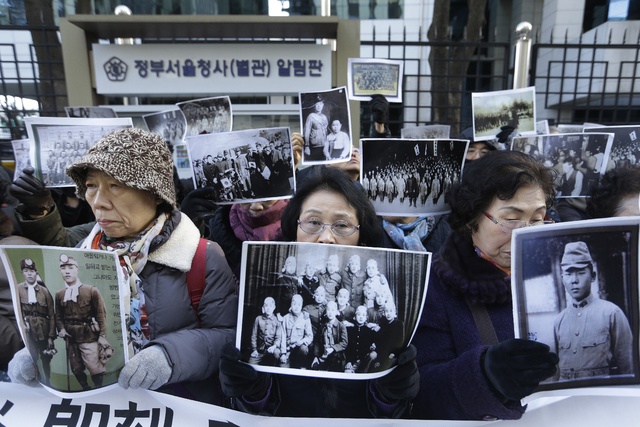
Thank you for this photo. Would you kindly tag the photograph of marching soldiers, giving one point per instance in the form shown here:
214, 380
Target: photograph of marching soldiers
328, 310
91, 112
504, 110
579, 159
252, 164
58, 142
625, 150
370, 76
426, 132
577, 292
67, 302
410, 177
171, 125
207, 115
326, 126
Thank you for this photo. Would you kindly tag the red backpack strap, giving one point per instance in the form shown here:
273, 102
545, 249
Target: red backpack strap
196, 276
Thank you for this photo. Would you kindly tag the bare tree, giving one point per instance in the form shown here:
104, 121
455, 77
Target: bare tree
449, 62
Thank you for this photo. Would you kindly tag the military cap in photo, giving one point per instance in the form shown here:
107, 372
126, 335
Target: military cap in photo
27, 263
576, 255
67, 260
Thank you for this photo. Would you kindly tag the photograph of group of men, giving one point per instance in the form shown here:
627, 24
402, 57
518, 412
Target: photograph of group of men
371, 76
63, 317
328, 310
576, 289
326, 126
243, 165
170, 124
625, 149
91, 112
58, 142
497, 111
410, 177
579, 159
207, 115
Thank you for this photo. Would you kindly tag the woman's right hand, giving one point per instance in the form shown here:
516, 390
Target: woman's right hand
239, 379
32, 193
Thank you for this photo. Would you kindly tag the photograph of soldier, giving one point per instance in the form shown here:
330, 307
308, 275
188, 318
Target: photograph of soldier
81, 322
426, 132
409, 177
575, 289
170, 124
58, 141
315, 338
243, 166
325, 121
370, 76
207, 115
496, 110
37, 310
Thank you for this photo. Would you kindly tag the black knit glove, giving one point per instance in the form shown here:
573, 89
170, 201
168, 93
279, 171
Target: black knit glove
404, 381
239, 379
30, 191
379, 108
198, 205
515, 367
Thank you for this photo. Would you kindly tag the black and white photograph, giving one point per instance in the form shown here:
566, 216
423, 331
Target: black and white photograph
625, 149
372, 76
409, 177
91, 112
207, 115
426, 132
246, 165
58, 142
68, 306
326, 126
330, 311
575, 288
570, 128
512, 111
21, 152
542, 127
170, 124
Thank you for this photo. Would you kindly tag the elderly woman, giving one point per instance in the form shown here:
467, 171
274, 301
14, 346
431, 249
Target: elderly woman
127, 180
327, 208
471, 367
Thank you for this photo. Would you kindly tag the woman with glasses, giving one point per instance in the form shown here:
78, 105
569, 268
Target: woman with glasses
471, 367
328, 208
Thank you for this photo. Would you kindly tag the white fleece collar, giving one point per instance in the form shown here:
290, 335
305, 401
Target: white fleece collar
179, 250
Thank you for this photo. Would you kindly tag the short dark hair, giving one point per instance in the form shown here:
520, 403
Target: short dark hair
497, 174
614, 186
335, 180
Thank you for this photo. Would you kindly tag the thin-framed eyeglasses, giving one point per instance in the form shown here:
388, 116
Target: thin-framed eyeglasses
338, 228
508, 225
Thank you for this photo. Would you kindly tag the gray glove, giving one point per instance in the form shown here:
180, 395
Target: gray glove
148, 369
22, 370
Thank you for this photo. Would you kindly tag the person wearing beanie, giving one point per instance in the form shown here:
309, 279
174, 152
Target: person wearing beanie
127, 179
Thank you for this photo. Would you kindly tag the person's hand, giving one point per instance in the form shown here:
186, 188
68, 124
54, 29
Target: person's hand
515, 367
103, 341
379, 108
31, 192
403, 382
239, 379
198, 204
297, 143
21, 369
149, 369
64, 334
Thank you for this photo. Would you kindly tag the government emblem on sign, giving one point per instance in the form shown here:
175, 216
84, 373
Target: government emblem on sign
116, 69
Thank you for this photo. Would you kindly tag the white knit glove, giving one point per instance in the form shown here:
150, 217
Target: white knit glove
22, 370
148, 369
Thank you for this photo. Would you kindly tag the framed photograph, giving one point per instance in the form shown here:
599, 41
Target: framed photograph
503, 110
69, 306
409, 177
426, 132
326, 126
207, 115
91, 112
329, 311
246, 165
575, 288
58, 142
370, 76
169, 124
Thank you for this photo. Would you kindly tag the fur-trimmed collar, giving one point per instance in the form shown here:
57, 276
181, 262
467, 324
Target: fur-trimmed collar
180, 248
463, 273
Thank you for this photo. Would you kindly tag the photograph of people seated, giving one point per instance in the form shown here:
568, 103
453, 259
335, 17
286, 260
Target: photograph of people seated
342, 324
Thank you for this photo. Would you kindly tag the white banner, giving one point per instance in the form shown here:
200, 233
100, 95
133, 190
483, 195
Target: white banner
195, 69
